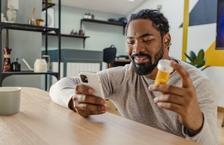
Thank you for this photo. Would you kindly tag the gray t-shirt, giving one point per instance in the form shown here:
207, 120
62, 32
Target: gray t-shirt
129, 92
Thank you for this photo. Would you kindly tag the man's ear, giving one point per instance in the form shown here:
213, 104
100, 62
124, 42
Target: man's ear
167, 40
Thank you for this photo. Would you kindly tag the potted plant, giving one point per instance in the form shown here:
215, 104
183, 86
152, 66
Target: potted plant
197, 60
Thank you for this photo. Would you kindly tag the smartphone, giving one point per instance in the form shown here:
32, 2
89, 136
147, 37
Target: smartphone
92, 80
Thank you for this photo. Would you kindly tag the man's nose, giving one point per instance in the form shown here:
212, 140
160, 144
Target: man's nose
138, 47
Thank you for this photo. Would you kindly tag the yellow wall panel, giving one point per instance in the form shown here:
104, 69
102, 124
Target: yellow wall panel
214, 57
185, 29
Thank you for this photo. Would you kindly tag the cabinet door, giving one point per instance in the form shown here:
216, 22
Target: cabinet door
73, 69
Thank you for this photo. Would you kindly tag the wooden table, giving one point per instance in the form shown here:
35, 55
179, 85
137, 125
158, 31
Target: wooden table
41, 122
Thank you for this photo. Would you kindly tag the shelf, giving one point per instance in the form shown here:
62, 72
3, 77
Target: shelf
103, 22
28, 73
25, 27
70, 36
49, 5
33, 28
6, 74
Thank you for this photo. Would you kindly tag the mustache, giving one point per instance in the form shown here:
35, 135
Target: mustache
140, 54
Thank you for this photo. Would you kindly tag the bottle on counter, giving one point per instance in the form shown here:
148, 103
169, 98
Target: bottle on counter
16, 66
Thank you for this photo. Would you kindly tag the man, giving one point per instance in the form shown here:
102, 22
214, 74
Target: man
185, 106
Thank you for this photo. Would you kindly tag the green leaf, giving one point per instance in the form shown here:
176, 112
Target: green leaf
188, 57
193, 55
200, 56
201, 53
200, 64
196, 60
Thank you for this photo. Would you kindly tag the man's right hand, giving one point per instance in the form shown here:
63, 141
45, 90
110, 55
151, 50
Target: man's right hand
85, 103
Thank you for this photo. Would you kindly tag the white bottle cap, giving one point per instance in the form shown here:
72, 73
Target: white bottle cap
165, 65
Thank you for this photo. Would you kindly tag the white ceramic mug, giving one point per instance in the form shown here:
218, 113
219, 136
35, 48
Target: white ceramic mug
40, 65
9, 100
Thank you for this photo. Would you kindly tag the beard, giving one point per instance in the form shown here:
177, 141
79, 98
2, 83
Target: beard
149, 66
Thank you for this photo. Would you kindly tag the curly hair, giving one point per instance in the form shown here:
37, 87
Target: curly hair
159, 21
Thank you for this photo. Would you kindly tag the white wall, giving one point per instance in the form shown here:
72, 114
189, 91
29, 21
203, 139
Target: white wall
101, 35
200, 37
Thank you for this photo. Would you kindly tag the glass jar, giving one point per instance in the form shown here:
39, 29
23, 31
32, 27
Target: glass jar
40, 65
11, 15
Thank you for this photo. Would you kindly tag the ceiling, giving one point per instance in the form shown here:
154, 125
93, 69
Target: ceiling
122, 7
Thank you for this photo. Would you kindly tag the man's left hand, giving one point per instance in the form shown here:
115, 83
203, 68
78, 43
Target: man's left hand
182, 100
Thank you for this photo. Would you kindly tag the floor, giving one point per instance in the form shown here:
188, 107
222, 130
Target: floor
220, 129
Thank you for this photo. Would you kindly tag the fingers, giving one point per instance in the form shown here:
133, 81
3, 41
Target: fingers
87, 105
174, 99
183, 73
170, 102
89, 109
170, 106
168, 89
90, 99
172, 95
83, 89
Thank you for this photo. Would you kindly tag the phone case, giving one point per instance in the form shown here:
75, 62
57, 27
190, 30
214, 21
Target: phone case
92, 80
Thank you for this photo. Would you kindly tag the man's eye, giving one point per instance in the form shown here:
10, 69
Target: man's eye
147, 39
130, 41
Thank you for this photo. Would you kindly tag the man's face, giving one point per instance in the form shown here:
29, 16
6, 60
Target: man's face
145, 45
